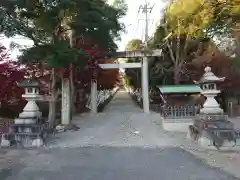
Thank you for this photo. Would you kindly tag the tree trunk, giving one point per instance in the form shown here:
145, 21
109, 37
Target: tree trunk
176, 76
72, 90
52, 102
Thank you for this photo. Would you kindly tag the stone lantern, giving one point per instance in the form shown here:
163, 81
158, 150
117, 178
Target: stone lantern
31, 111
211, 127
209, 87
27, 128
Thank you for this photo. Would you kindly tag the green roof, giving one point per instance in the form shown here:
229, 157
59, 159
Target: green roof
167, 89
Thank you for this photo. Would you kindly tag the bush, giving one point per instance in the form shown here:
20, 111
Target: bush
126, 81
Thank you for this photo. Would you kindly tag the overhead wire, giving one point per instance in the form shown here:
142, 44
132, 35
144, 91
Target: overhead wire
138, 20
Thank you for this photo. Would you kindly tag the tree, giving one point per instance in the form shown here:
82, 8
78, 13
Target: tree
178, 49
108, 78
11, 72
134, 75
215, 19
28, 18
134, 44
186, 30
213, 16
54, 25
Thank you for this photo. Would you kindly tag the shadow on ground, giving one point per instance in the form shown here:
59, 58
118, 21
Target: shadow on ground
113, 163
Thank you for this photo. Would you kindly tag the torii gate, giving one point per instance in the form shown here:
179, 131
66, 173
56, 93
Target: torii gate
143, 65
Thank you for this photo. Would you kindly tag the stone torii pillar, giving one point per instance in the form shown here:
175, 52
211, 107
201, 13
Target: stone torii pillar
66, 102
93, 97
145, 93
143, 65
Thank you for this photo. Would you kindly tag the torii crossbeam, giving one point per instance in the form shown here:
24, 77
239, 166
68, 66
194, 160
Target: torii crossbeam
143, 65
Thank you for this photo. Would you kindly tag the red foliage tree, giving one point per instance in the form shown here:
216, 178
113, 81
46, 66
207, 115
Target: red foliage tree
11, 72
221, 67
94, 51
108, 78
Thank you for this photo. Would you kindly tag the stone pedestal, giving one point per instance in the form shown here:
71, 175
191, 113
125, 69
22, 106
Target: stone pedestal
211, 106
211, 129
4, 141
27, 129
93, 97
66, 102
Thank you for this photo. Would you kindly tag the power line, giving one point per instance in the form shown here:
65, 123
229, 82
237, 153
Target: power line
151, 24
142, 32
136, 27
146, 9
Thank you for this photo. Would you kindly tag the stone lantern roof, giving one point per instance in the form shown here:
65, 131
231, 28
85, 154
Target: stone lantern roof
209, 77
32, 82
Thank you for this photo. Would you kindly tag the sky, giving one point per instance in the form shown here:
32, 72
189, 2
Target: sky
133, 21
19, 40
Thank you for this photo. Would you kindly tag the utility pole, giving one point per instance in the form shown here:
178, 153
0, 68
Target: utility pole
146, 9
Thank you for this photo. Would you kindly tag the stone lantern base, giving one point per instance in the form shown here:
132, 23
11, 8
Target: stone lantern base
26, 132
213, 131
211, 127
211, 106
211, 110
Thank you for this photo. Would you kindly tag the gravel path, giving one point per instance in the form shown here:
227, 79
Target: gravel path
118, 163
120, 143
